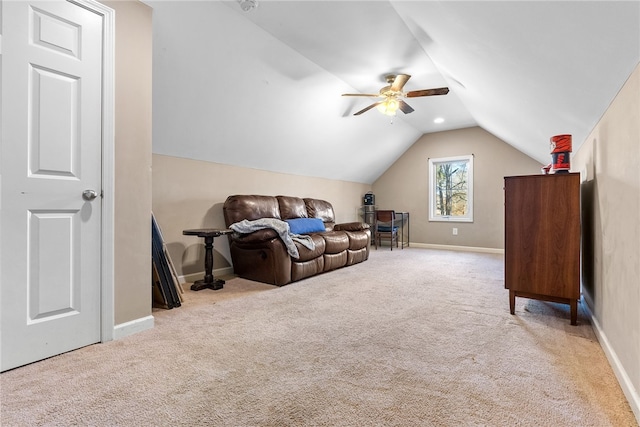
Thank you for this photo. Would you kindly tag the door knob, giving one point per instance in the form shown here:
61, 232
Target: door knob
89, 194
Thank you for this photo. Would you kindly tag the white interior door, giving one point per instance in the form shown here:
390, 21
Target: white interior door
51, 154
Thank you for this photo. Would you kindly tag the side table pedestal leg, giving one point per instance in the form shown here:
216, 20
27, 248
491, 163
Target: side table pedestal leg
209, 281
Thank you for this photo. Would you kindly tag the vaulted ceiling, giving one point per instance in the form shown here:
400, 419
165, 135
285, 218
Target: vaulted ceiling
262, 88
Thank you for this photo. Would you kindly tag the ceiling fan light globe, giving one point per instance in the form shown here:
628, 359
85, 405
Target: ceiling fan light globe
383, 108
389, 106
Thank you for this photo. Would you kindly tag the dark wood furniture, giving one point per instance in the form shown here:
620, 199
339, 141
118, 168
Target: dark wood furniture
208, 234
542, 238
385, 228
402, 220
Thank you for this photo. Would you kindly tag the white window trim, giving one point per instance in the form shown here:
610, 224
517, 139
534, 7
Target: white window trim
432, 193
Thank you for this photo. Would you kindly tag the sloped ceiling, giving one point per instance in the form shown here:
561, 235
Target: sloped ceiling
261, 89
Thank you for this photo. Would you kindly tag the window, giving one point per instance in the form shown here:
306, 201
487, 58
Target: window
451, 189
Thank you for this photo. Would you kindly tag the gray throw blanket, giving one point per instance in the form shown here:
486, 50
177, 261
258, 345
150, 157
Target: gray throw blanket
281, 227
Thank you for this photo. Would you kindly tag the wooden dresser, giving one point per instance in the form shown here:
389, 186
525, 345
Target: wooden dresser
542, 238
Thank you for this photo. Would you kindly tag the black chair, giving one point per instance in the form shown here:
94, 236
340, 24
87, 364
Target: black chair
385, 228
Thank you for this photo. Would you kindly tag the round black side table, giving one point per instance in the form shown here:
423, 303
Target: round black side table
208, 234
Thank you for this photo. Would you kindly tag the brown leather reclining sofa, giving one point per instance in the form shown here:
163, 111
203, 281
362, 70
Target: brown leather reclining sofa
262, 255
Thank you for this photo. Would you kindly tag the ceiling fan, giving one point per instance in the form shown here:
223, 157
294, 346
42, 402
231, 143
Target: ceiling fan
393, 93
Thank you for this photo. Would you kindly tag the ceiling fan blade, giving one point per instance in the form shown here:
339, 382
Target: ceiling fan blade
364, 110
399, 82
361, 94
405, 108
427, 92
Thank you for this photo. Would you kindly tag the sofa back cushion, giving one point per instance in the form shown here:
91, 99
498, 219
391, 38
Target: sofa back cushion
251, 207
322, 209
239, 207
291, 207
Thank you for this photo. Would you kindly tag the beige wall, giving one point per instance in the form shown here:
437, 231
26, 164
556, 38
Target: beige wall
190, 194
609, 161
405, 186
132, 259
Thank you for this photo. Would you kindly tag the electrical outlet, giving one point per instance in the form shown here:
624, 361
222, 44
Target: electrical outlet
455, 231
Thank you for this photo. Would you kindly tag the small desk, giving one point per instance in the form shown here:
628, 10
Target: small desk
208, 234
402, 218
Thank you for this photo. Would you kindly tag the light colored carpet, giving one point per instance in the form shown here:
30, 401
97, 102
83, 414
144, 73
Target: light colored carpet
413, 337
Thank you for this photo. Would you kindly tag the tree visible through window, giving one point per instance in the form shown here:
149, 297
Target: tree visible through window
451, 188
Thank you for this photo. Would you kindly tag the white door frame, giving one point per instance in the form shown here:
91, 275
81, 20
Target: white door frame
108, 166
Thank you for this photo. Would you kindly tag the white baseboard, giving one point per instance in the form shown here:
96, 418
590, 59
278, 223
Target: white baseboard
623, 379
457, 248
190, 278
133, 327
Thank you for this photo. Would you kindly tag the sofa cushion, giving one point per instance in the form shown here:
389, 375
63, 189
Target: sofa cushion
236, 208
322, 209
352, 226
336, 241
291, 207
305, 225
358, 239
306, 254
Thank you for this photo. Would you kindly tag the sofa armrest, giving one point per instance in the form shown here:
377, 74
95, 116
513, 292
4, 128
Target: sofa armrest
258, 236
351, 226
